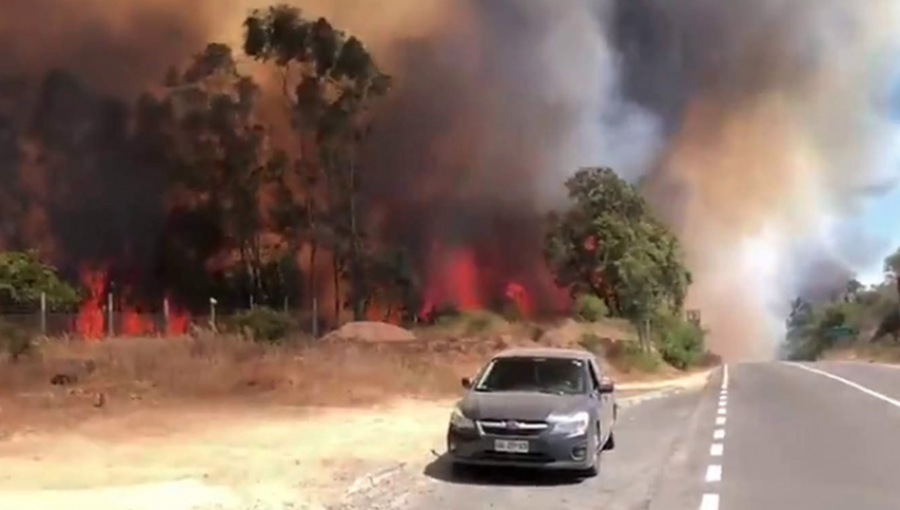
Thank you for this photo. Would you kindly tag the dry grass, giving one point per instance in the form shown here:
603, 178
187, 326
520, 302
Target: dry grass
334, 373
884, 352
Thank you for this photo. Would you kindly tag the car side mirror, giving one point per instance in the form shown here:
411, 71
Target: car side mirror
466, 383
606, 385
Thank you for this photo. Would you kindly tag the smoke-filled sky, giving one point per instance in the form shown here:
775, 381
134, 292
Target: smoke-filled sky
766, 131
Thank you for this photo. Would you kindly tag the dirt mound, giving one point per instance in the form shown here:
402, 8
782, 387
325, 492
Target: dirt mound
366, 331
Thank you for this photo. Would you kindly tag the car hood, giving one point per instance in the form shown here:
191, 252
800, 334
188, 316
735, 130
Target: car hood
526, 406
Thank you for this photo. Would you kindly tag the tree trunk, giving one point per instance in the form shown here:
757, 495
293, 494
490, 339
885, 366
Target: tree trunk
355, 251
336, 270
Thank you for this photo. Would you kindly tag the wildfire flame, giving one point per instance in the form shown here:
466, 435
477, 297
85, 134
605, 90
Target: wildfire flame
90, 323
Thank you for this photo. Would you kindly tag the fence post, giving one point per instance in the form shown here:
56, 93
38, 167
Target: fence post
43, 314
165, 316
110, 327
212, 313
252, 302
315, 318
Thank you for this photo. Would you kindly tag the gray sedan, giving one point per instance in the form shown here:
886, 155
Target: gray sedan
544, 408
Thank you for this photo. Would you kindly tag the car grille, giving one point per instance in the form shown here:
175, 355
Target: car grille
537, 458
512, 428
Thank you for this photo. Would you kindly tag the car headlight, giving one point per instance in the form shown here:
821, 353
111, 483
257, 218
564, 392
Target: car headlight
459, 421
570, 424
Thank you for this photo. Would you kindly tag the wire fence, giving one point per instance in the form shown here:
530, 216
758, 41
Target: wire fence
100, 322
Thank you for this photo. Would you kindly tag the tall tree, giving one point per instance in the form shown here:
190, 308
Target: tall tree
329, 81
607, 243
214, 141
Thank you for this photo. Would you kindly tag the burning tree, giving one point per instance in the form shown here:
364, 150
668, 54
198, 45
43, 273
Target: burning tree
608, 244
216, 147
329, 82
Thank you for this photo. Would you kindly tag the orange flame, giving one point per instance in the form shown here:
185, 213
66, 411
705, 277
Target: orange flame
135, 323
516, 293
90, 323
178, 322
456, 281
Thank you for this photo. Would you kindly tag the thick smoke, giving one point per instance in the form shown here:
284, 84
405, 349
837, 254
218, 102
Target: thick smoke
758, 127
778, 126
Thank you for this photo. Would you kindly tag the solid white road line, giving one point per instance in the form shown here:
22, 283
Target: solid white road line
717, 449
710, 502
850, 383
719, 434
714, 473
725, 377
720, 420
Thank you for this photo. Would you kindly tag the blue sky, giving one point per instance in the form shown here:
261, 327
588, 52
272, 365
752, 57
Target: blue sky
881, 220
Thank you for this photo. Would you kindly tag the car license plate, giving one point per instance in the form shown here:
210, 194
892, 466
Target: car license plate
508, 446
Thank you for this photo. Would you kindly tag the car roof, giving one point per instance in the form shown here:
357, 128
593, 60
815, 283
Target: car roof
545, 353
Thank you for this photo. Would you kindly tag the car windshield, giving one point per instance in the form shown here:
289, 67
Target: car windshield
544, 375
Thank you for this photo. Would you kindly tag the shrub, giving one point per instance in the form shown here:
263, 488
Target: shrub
263, 324
681, 343
590, 308
591, 342
15, 341
628, 356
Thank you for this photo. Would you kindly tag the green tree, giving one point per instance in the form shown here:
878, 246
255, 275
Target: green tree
23, 278
892, 268
329, 81
608, 244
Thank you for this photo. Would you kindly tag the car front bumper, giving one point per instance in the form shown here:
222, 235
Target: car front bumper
545, 451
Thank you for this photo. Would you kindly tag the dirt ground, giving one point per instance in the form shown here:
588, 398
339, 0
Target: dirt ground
239, 456
218, 457
222, 423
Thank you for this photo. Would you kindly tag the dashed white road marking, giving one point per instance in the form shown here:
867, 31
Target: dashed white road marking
850, 383
710, 502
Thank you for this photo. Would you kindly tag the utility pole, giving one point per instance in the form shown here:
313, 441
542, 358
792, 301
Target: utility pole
212, 313
166, 316
110, 329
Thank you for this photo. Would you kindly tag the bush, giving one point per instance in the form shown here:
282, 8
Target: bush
15, 341
627, 356
681, 343
471, 323
592, 343
263, 324
590, 308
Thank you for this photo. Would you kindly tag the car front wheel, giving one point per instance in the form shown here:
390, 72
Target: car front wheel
594, 469
610, 442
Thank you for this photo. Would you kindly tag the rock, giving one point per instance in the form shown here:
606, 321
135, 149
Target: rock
367, 331
63, 379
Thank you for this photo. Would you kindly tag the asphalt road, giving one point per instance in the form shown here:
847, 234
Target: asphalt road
777, 436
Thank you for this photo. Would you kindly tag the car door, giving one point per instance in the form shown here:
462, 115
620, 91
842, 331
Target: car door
604, 405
